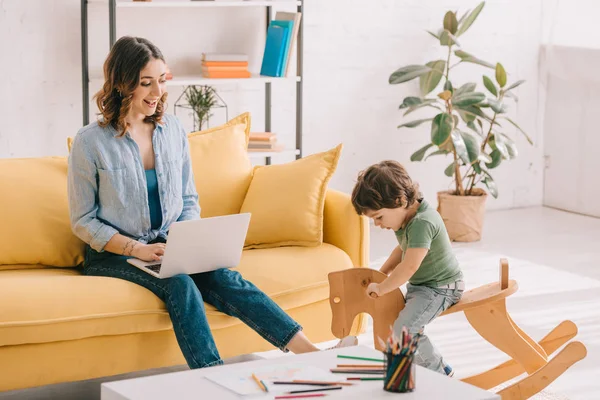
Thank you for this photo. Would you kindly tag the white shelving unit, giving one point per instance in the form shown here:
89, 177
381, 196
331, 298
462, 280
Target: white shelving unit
183, 81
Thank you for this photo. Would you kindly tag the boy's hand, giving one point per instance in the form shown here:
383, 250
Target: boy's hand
373, 290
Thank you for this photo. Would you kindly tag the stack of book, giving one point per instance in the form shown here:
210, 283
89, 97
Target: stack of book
280, 44
217, 65
263, 141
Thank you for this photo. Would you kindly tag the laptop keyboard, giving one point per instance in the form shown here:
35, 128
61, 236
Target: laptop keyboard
154, 268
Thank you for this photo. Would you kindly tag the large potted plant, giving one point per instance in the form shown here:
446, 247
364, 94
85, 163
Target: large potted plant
469, 125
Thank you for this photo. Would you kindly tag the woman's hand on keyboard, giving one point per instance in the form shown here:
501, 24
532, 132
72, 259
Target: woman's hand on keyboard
149, 252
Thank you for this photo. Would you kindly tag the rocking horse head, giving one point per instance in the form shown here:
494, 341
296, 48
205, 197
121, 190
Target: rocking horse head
348, 298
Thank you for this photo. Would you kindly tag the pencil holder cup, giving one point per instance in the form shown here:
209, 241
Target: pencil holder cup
399, 373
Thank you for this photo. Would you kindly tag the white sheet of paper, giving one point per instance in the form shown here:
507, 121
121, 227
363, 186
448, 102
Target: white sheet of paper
241, 382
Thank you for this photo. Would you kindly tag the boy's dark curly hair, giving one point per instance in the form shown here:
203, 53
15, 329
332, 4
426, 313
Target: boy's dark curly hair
384, 185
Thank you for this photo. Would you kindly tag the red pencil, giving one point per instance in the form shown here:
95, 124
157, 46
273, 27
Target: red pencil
301, 396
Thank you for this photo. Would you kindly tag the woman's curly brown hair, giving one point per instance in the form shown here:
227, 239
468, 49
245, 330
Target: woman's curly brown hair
122, 68
384, 185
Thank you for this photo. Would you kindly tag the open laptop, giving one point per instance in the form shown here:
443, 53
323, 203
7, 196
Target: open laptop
200, 245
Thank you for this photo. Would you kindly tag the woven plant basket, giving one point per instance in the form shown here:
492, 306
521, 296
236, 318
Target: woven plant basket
463, 215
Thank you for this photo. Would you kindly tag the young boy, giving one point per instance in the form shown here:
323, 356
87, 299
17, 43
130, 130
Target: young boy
423, 258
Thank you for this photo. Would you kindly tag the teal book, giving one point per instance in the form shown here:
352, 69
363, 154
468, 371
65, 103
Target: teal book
289, 26
274, 51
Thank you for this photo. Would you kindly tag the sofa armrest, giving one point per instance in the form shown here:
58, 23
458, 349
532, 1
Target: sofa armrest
345, 229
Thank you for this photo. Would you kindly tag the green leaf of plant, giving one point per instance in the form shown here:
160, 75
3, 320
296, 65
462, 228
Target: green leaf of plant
436, 153
491, 185
434, 35
497, 143
466, 57
450, 22
419, 154
425, 103
448, 87
461, 19
473, 144
477, 168
496, 159
512, 96
511, 146
473, 127
466, 88
408, 73
431, 79
487, 82
441, 127
470, 19
448, 39
411, 101
485, 158
468, 99
498, 106
467, 117
414, 124
514, 85
449, 171
460, 147
474, 110
519, 128
500, 75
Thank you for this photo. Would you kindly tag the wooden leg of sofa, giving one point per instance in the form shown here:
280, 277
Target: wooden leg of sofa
540, 379
510, 369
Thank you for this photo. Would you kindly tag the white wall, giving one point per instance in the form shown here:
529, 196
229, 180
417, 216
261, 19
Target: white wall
351, 47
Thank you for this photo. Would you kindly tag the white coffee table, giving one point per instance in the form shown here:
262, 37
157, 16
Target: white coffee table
192, 384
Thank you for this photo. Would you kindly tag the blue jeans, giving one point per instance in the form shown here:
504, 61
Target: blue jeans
184, 297
423, 305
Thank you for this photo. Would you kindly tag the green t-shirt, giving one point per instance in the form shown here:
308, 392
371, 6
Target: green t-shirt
427, 230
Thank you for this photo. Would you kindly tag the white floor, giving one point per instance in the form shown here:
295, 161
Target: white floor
555, 258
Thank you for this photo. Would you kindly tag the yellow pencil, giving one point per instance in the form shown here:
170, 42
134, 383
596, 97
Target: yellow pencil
259, 383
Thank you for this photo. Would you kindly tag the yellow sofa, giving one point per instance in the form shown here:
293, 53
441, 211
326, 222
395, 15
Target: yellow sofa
57, 325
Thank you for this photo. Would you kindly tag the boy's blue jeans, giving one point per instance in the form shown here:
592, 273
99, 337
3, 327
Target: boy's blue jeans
423, 305
184, 296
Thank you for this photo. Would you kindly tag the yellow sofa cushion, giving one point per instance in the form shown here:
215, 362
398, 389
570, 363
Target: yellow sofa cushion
54, 304
222, 168
34, 211
287, 200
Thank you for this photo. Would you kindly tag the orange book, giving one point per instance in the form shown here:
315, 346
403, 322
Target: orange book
225, 63
223, 69
222, 74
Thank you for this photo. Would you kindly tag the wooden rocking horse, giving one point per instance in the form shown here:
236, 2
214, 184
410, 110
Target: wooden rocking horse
485, 309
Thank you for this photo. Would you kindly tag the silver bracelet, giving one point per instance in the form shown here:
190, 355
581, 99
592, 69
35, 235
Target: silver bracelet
133, 247
125, 247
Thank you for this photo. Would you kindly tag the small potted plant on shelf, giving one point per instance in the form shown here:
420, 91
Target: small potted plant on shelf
201, 100
468, 125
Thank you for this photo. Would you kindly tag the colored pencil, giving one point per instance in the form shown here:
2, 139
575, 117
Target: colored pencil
358, 371
360, 358
259, 383
358, 366
314, 383
301, 396
315, 390
365, 379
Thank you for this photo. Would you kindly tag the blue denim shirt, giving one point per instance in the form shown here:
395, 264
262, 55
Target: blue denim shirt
107, 183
